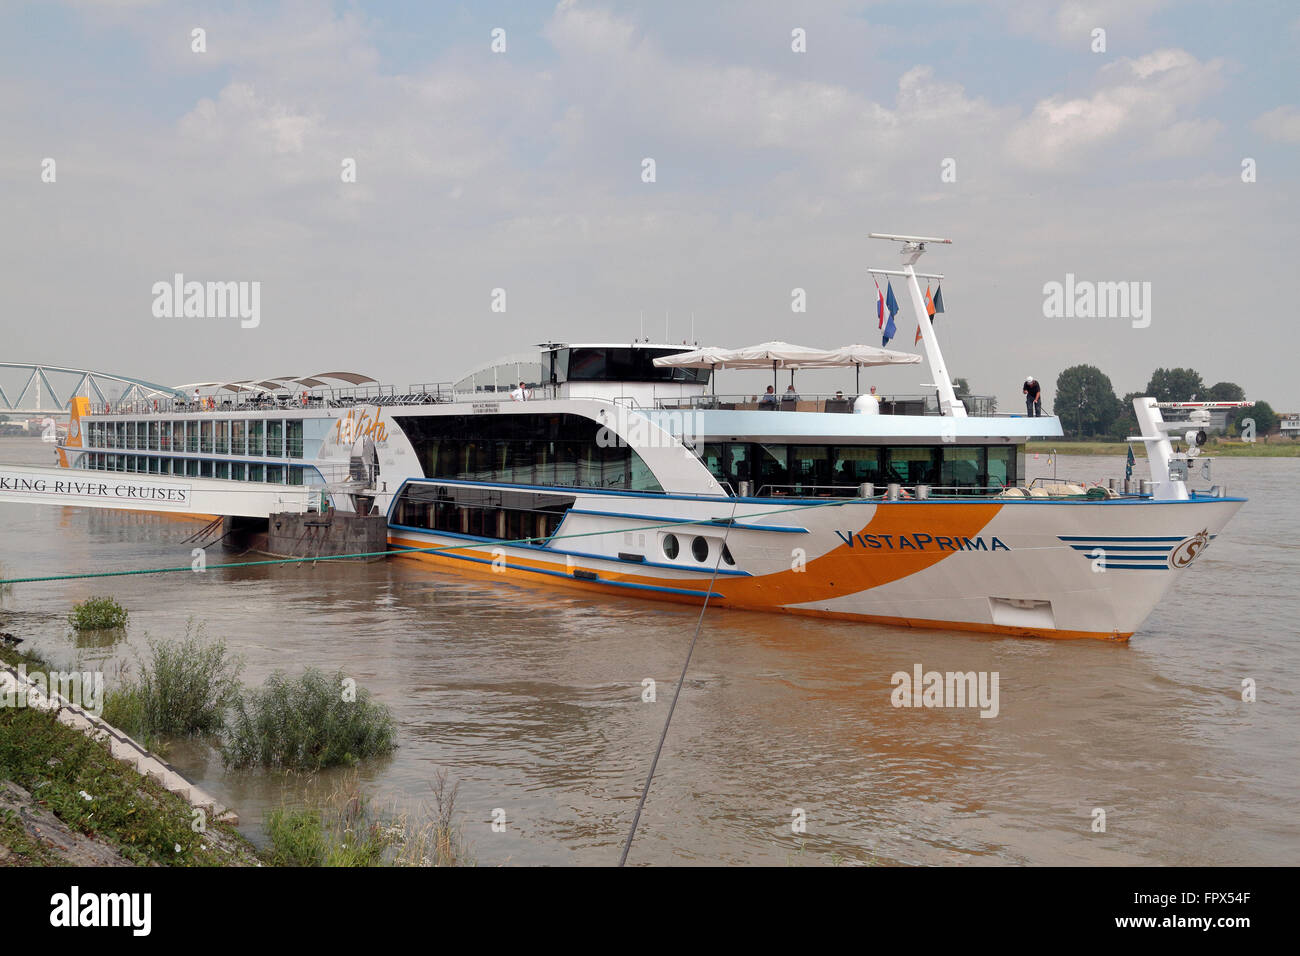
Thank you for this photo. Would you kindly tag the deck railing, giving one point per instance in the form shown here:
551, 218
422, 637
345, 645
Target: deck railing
979, 406
429, 393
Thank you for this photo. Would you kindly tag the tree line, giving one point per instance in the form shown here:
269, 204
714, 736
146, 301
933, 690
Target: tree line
1087, 405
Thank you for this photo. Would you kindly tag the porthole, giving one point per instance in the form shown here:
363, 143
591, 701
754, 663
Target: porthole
670, 546
700, 548
726, 556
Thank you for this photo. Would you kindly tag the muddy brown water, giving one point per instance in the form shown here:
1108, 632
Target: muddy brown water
531, 700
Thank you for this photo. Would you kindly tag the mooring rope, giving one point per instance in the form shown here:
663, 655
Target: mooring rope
476, 545
681, 681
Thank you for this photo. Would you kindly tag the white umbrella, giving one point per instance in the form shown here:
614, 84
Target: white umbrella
710, 357
860, 355
779, 354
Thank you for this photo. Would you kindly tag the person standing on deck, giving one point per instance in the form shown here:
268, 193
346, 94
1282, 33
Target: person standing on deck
520, 394
1033, 398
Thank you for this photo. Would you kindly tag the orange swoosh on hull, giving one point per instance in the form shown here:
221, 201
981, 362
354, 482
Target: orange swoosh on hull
840, 571
847, 570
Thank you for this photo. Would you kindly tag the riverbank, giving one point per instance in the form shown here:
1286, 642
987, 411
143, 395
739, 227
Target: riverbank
1281, 448
66, 801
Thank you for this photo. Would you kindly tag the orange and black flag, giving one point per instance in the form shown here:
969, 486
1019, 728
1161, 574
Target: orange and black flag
929, 308
933, 306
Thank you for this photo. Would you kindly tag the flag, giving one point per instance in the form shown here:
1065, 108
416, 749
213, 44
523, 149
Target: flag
938, 301
892, 304
1128, 467
880, 308
929, 308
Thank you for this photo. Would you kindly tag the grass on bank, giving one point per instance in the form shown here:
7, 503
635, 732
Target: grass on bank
307, 723
347, 832
130, 813
97, 614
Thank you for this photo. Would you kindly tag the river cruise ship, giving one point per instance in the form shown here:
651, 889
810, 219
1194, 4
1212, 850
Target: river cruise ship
620, 469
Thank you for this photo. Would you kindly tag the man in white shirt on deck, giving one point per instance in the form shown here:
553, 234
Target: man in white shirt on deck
520, 394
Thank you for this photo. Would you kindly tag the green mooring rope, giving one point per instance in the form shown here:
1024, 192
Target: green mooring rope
477, 545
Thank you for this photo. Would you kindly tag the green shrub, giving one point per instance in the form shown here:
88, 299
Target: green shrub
184, 689
306, 724
124, 709
97, 614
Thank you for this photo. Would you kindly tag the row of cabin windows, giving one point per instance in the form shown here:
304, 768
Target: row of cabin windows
839, 469
552, 450
482, 513
195, 468
273, 438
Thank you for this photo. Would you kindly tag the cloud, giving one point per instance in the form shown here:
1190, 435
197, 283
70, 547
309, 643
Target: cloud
1281, 125
241, 120
522, 171
1070, 24
1140, 102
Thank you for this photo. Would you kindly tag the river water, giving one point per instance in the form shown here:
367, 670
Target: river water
531, 700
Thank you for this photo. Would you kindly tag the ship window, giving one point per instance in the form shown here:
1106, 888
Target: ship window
293, 438
912, 464
853, 465
275, 438
558, 450
255, 439
256, 472
503, 514
205, 469
621, 364
223, 469
726, 555
1001, 465
773, 472
810, 465
671, 548
962, 467
239, 471
700, 549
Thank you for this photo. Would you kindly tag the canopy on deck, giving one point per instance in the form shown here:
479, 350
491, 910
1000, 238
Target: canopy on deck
282, 383
777, 355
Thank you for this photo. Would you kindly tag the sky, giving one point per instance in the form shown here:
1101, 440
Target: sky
1170, 157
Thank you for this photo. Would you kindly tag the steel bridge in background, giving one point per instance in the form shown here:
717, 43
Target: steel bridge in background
31, 389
